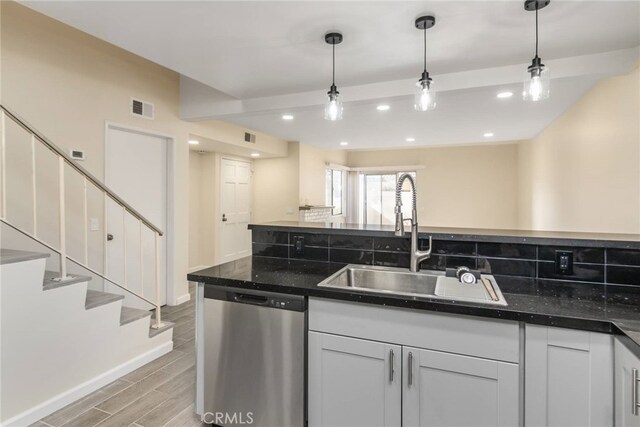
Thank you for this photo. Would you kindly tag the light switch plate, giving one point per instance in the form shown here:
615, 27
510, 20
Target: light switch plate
94, 224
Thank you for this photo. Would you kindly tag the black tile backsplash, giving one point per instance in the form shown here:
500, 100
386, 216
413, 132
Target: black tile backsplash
267, 249
623, 275
391, 259
441, 262
447, 247
310, 253
623, 257
507, 250
267, 236
321, 240
507, 267
585, 255
581, 272
395, 244
351, 242
519, 267
351, 256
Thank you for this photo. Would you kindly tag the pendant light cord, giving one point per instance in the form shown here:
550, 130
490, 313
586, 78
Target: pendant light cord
536, 31
425, 48
333, 77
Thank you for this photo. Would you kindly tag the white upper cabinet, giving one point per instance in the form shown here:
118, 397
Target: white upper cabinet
444, 389
568, 378
627, 385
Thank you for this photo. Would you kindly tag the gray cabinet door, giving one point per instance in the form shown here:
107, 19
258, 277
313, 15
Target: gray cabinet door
568, 378
444, 389
353, 382
627, 387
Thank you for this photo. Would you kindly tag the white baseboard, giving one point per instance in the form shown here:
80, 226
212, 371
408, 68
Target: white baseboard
63, 399
183, 298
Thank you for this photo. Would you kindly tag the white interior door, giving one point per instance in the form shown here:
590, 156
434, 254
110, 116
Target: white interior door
235, 210
136, 170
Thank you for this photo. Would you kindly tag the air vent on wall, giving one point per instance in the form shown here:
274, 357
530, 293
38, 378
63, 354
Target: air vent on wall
142, 108
249, 137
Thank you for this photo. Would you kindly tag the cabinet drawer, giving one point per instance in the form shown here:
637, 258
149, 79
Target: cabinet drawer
474, 336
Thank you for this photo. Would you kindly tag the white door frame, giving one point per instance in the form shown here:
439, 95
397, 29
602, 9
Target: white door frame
218, 211
172, 298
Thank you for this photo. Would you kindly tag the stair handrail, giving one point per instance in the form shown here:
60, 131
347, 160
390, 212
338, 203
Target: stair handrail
64, 158
95, 181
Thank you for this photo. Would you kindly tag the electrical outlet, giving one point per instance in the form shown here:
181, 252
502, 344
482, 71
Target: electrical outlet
94, 224
564, 262
298, 245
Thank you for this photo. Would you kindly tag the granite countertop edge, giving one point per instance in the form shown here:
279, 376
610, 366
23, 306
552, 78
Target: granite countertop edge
628, 327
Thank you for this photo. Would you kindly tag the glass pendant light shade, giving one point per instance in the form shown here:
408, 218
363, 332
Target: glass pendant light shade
536, 83
425, 96
333, 106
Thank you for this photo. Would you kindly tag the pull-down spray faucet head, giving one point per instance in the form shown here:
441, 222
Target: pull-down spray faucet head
399, 221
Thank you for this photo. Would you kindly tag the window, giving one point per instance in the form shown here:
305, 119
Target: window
377, 196
335, 180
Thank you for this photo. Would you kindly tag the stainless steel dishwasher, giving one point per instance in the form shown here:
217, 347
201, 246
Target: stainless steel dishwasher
251, 357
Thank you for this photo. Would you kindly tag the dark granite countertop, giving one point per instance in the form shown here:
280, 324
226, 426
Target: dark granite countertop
551, 306
600, 240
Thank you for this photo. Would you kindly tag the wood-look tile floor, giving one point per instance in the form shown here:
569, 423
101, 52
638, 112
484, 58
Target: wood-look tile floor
160, 393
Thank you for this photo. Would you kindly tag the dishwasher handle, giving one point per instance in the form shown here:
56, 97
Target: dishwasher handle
251, 299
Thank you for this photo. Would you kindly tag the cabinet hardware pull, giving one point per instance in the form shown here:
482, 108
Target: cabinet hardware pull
391, 363
410, 368
635, 380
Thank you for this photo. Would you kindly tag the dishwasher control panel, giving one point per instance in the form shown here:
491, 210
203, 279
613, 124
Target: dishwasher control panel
285, 303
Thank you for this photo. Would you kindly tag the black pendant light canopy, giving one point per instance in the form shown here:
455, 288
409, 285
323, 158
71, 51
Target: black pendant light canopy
333, 105
425, 96
536, 85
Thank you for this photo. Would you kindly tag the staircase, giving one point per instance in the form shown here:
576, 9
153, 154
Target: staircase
61, 340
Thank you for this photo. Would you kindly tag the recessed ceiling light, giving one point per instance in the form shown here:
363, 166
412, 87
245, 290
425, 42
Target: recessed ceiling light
410, 139
383, 107
506, 94
255, 154
194, 142
488, 134
287, 117
343, 143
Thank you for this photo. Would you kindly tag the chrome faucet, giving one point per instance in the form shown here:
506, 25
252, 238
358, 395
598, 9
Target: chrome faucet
416, 255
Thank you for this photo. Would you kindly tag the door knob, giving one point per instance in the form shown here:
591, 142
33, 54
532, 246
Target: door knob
224, 218
109, 237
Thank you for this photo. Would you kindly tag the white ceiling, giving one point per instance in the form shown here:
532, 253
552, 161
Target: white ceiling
259, 58
461, 117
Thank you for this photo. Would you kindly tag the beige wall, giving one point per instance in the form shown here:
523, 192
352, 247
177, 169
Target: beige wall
276, 187
582, 173
464, 186
313, 165
202, 195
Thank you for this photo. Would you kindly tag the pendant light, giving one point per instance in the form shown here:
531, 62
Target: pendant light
536, 84
333, 106
425, 97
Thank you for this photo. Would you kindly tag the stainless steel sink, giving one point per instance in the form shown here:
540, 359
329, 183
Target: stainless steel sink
423, 284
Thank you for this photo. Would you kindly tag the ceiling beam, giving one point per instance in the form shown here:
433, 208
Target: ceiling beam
201, 102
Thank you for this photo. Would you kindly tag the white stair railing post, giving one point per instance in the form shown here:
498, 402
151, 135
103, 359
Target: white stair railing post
85, 213
140, 225
33, 186
158, 324
4, 166
62, 215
